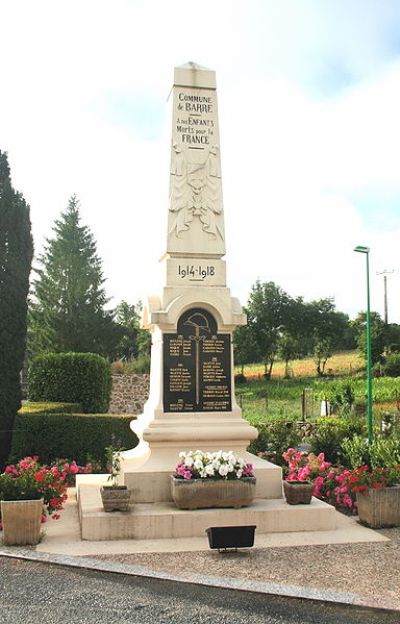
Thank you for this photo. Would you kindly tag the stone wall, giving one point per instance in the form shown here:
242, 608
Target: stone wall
129, 393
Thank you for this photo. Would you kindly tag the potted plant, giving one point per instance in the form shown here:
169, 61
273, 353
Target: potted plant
115, 497
303, 476
378, 495
219, 479
28, 492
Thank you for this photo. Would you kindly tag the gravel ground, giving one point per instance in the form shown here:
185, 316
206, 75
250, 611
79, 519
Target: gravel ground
369, 569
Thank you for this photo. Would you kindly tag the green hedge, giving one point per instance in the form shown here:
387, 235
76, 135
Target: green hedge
29, 407
73, 436
83, 378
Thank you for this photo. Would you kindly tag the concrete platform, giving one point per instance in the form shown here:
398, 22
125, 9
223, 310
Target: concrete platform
162, 520
63, 537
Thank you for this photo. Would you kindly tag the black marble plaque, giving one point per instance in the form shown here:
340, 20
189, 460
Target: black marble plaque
197, 365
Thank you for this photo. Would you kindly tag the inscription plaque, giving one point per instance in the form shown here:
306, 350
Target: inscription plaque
197, 365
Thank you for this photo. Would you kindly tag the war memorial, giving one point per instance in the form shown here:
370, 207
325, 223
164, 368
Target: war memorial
192, 400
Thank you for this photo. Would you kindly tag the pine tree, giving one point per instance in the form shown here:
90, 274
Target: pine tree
16, 250
68, 310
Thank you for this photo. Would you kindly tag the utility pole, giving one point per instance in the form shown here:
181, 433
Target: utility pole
385, 273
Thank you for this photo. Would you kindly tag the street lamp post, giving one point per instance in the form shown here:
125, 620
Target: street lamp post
365, 250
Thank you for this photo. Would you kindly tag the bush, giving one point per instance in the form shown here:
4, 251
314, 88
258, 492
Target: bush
80, 436
329, 433
30, 407
391, 367
381, 453
274, 438
83, 378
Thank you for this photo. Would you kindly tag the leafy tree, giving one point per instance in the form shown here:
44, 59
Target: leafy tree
288, 349
268, 309
328, 328
16, 249
245, 347
68, 311
393, 337
378, 335
128, 319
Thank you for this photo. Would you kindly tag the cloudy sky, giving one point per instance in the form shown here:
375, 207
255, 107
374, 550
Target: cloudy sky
309, 101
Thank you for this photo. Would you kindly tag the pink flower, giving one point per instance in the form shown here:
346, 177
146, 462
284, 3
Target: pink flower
187, 474
11, 470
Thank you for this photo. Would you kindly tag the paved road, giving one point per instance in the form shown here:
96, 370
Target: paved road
37, 593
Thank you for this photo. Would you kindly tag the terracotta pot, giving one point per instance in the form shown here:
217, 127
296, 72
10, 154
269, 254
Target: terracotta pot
115, 497
379, 507
203, 493
21, 521
298, 492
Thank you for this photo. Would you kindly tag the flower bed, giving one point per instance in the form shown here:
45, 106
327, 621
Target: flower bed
217, 465
220, 479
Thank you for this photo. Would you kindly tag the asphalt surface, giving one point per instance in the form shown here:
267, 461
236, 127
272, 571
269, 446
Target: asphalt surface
33, 593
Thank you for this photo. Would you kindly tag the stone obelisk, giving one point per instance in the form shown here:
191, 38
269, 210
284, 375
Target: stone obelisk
192, 402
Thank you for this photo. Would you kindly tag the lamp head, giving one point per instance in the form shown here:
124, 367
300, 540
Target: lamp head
361, 249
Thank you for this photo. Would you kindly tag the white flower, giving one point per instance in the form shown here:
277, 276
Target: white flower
223, 470
198, 464
239, 473
209, 470
230, 467
189, 461
182, 454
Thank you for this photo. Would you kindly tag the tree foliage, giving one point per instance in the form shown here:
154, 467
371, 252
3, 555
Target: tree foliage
68, 312
279, 325
378, 335
267, 309
16, 249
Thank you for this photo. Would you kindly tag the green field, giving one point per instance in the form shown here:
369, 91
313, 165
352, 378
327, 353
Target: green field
263, 400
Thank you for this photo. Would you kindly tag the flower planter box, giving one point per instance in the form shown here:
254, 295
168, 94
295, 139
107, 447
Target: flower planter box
298, 492
231, 537
115, 498
203, 493
379, 507
21, 522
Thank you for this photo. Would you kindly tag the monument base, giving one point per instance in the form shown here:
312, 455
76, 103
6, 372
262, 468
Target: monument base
151, 482
163, 520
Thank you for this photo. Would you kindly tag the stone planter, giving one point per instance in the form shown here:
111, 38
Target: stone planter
379, 507
21, 522
203, 493
298, 492
115, 497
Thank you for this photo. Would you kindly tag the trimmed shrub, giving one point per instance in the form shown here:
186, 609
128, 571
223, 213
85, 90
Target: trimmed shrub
75, 436
29, 407
83, 378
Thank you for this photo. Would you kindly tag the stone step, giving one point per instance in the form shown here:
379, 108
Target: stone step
163, 520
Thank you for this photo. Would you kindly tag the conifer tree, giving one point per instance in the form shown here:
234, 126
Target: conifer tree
16, 249
68, 312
